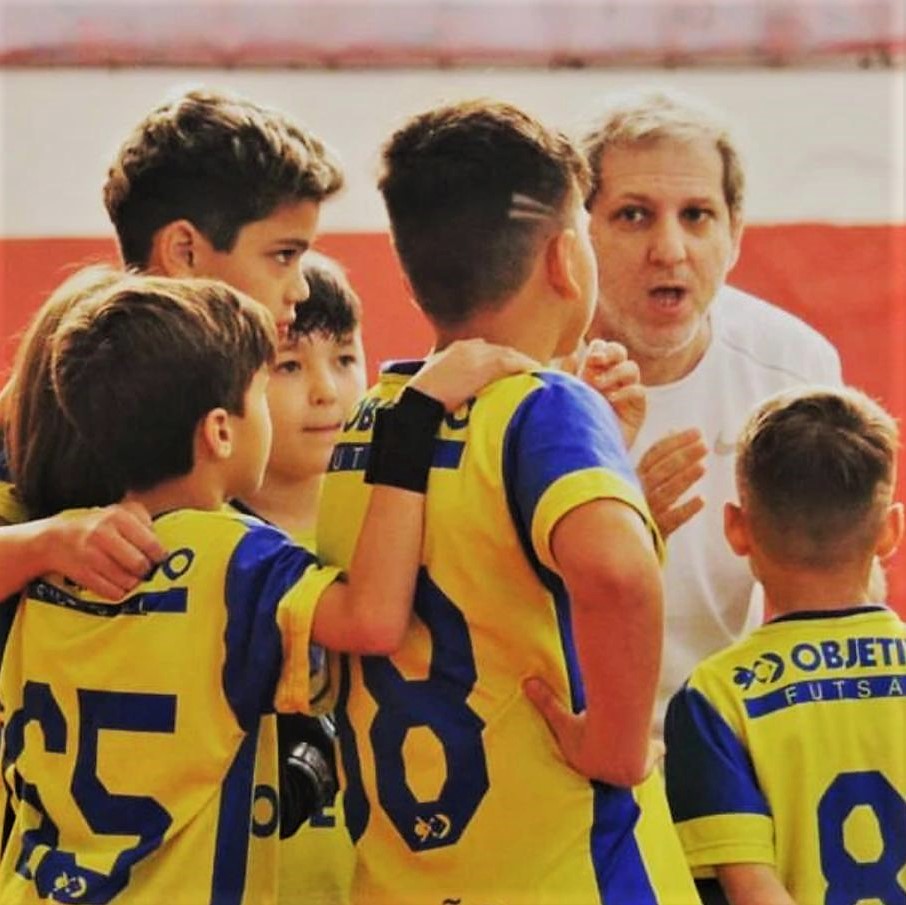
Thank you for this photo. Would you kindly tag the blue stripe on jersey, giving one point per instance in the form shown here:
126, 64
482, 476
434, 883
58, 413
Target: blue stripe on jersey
173, 600
560, 428
354, 456
233, 826
356, 808
264, 566
822, 691
707, 769
447, 453
539, 448
619, 869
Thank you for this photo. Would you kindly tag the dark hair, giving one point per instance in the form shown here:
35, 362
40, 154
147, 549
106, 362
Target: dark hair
137, 367
43, 448
216, 160
815, 469
332, 307
472, 189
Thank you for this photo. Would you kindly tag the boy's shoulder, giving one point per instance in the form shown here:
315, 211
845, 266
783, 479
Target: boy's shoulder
211, 528
795, 646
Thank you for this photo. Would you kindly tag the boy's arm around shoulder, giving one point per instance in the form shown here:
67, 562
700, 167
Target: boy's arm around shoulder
108, 551
607, 560
369, 610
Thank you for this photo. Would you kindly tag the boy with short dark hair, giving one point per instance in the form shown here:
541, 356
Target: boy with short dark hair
151, 711
539, 558
785, 761
317, 377
211, 184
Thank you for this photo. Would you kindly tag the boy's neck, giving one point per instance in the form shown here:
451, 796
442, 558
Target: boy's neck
519, 323
291, 505
185, 492
791, 590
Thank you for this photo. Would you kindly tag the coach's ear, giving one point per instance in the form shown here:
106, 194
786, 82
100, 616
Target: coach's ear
215, 434
892, 532
175, 250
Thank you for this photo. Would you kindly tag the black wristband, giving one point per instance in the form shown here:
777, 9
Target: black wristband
402, 443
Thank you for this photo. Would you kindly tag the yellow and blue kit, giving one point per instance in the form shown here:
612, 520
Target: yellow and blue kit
316, 862
454, 788
789, 749
132, 729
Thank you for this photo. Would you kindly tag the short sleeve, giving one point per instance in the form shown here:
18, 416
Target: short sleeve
720, 812
272, 588
563, 447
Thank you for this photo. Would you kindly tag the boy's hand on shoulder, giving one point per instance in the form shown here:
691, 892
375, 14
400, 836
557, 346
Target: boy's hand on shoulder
570, 731
466, 366
108, 551
607, 368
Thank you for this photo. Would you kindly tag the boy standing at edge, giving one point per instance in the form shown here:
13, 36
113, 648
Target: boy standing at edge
785, 765
539, 559
167, 379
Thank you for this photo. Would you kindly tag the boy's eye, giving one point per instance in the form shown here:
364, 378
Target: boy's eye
286, 256
348, 360
290, 366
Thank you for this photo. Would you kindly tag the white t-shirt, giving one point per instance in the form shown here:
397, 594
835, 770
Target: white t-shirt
756, 350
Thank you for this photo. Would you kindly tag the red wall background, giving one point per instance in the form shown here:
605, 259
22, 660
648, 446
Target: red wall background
847, 281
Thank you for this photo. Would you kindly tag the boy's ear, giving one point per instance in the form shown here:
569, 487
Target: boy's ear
216, 434
736, 529
175, 249
892, 532
560, 256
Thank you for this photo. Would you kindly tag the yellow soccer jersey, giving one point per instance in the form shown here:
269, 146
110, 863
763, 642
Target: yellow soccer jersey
455, 790
789, 748
317, 861
131, 729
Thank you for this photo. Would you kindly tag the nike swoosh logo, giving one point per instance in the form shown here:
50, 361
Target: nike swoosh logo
722, 448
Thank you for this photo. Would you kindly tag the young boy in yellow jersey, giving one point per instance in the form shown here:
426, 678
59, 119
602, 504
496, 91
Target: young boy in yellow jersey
317, 377
131, 728
786, 752
539, 559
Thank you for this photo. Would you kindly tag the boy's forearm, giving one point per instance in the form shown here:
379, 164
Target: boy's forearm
613, 579
618, 638
752, 884
23, 555
369, 612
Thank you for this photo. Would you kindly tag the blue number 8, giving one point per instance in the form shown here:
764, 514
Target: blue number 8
848, 880
439, 703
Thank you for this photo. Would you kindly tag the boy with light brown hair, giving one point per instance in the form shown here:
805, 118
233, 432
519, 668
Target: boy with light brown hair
785, 752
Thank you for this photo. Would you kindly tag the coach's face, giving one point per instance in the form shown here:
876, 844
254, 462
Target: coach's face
664, 240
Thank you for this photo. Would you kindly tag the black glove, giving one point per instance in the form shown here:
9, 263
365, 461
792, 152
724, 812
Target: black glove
308, 775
